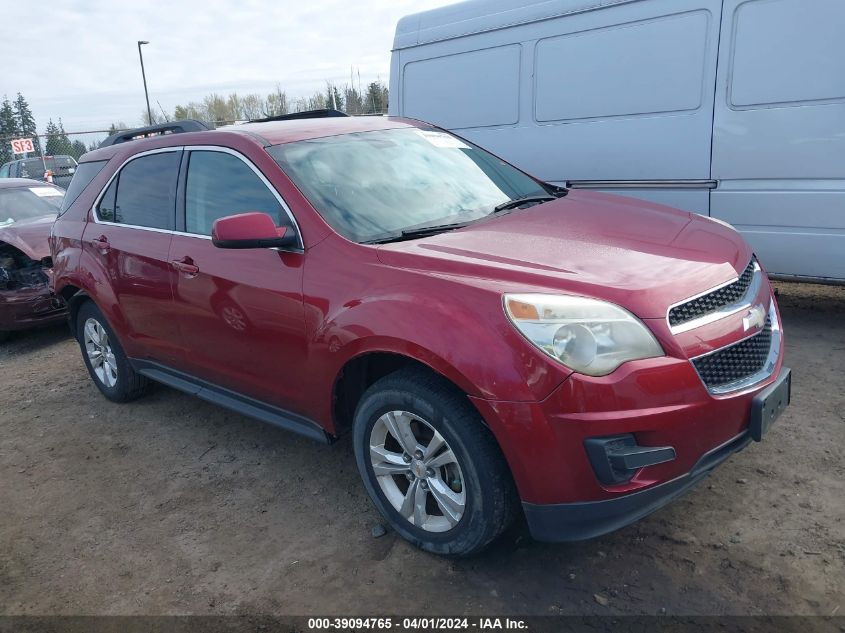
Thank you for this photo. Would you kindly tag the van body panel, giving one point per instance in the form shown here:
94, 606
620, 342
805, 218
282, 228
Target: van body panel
779, 133
656, 102
732, 108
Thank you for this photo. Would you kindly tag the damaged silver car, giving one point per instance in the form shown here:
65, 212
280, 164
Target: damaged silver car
27, 211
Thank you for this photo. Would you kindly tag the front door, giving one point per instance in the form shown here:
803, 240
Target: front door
241, 314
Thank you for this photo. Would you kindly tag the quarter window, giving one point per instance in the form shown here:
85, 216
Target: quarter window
220, 184
144, 192
85, 173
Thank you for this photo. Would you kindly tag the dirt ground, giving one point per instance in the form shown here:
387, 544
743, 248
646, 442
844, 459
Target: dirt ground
170, 505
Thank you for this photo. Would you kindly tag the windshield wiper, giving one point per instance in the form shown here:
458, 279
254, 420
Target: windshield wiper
518, 202
422, 231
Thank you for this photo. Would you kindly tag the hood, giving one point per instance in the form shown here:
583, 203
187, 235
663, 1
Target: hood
30, 236
636, 254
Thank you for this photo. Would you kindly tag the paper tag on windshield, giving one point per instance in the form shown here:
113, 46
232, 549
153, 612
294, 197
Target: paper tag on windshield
45, 192
441, 139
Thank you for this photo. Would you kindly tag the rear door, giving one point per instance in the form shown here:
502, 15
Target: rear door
128, 240
779, 133
240, 312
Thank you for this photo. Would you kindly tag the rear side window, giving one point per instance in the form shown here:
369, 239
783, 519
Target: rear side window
220, 184
144, 192
85, 173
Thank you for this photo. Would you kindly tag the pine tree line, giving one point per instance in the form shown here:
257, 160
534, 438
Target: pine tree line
17, 121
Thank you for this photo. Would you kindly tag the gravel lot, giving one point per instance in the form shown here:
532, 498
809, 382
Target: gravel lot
169, 505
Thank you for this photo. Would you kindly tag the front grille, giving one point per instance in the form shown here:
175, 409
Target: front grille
736, 362
712, 301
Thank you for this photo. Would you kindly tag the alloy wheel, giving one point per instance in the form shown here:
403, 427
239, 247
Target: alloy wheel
417, 471
100, 352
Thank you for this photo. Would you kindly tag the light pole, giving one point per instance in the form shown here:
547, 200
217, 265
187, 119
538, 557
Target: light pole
144, 77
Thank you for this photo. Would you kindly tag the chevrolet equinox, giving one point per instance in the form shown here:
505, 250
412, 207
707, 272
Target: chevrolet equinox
497, 346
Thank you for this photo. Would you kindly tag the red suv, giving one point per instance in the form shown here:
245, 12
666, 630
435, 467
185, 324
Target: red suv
495, 344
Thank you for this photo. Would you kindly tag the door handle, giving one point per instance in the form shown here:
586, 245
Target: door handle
186, 266
101, 243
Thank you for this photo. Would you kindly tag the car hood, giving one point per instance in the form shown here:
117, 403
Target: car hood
639, 255
29, 236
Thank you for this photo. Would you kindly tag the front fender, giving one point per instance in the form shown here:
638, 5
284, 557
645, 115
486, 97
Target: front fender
452, 325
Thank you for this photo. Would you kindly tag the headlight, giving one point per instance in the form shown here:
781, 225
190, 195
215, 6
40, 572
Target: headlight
589, 336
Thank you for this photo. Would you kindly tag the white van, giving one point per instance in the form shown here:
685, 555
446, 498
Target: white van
730, 108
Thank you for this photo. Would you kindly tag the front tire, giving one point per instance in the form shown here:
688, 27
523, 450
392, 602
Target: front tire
107, 364
430, 466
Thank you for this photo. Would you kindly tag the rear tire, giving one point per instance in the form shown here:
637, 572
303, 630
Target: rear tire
103, 355
430, 465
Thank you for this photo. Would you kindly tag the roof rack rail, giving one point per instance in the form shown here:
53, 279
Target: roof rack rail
306, 114
171, 127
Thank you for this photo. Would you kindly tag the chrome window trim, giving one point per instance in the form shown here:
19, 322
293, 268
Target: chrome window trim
642, 184
179, 148
757, 377
96, 216
726, 310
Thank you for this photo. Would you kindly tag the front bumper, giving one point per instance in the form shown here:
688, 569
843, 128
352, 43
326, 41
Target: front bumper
661, 402
563, 522
26, 308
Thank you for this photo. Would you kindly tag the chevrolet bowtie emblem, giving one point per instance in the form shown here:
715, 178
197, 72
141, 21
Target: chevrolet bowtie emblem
756, 317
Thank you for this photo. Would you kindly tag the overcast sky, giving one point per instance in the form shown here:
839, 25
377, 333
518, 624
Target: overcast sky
78, 59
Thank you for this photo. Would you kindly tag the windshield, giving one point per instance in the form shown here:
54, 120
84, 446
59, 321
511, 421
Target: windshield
373, 185
24, 203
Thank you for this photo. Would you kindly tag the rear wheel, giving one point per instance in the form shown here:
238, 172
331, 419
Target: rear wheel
429, 464
104, 357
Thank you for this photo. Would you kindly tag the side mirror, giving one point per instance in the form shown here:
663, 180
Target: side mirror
251, 230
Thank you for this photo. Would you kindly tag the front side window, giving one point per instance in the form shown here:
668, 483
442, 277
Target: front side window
143, 193
370, 185
220, 184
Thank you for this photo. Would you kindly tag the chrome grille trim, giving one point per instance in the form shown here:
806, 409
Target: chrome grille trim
754, 378
745, 301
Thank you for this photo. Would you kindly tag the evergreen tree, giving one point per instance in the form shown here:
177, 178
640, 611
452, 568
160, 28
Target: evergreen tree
51, 146
8, 130
65, 146
57, 142
77, 149
375, 101
26, 127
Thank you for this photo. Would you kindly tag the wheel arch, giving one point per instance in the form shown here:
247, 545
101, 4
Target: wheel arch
365, 367
74, 297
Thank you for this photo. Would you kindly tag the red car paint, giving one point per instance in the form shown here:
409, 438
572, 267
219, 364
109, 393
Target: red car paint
281, 326
29, 307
